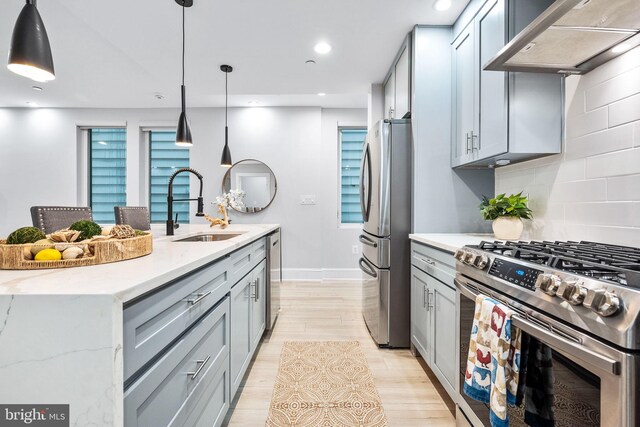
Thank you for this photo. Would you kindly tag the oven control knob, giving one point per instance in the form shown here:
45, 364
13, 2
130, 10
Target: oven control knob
459, 255
602, 302
548, 283
571, 292
468, 258
481, 261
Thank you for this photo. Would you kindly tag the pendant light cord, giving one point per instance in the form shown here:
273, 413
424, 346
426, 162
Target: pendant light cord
183, 45
226, 95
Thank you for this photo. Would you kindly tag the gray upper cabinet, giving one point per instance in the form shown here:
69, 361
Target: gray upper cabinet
514, 116
403, 85
397, 86
463, 95
390, 96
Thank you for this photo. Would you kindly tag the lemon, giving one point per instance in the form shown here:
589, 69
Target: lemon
48, 255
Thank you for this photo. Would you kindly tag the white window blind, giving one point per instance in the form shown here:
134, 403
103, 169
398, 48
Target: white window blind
107, 172
351, 145
165, 158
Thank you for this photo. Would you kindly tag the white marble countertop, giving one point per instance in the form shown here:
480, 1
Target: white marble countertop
126, 280
450, 242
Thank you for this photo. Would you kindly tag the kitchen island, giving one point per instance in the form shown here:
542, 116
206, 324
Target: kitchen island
63, 336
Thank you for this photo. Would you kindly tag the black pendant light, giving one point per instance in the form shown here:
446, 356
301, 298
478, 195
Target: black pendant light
30, 52
225, 160
183, 133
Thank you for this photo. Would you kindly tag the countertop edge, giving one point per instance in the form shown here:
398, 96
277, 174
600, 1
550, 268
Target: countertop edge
449, 242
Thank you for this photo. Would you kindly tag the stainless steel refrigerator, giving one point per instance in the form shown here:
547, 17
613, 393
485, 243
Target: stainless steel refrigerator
385, 200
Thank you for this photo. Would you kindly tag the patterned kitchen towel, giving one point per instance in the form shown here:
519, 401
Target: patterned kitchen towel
493, 363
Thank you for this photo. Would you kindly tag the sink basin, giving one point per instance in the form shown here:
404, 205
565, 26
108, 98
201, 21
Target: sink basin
209, 237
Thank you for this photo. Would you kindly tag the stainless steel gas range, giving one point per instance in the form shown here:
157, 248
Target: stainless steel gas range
580, 303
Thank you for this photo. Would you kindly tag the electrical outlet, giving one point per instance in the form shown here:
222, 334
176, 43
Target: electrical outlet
308, 200
355, 249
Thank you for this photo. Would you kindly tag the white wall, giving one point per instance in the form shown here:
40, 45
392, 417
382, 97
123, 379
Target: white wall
39, 166
592, 190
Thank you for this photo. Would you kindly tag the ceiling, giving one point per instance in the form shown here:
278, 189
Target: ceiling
121, 53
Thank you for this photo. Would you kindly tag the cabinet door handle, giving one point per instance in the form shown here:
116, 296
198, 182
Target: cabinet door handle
474, 138
424, 297
193, 375
257, 281
252, 292
429, 306
199, 298
426, 260
468, 137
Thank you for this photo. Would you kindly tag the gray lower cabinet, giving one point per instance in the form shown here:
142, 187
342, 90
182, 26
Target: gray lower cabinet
433, 312
259, 306
189, 384
419, 313
443, 320
240, 330
187, 345
248, 320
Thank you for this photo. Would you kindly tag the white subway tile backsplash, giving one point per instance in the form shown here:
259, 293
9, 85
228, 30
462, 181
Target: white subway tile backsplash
621, 188
586, 123
612, 90
606, 141
621, 214
625, 111
626, 236
570, 170
626, 162
592, 190
580, 191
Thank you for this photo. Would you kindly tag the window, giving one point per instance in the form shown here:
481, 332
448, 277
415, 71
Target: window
107, 172
165, 158
351, 145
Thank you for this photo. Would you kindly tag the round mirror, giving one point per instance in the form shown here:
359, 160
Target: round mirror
256, 180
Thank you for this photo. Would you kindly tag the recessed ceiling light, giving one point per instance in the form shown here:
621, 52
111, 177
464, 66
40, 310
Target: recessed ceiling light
102, 143
621, 48
322, 48
442, 5
309, 61
32, 104
321, 94
158, 96
253, 103
38, 88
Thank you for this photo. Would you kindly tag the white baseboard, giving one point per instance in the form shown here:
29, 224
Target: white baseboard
320, 274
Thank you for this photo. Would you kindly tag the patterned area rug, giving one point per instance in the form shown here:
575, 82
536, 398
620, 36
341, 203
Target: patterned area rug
324, 383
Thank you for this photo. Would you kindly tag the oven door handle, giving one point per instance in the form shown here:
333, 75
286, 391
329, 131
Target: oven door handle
551, 339
601, 362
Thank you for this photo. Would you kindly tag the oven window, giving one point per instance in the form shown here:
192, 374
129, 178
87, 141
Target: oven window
557, 392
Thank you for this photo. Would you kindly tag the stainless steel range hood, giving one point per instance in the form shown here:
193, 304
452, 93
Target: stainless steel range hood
572, 37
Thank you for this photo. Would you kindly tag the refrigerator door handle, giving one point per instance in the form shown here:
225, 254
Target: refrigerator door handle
365, 202
367, 241
370, 271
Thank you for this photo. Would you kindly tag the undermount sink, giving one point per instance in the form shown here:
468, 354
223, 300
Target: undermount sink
209, 237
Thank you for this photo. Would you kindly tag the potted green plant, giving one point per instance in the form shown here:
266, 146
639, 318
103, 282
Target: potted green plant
507, 213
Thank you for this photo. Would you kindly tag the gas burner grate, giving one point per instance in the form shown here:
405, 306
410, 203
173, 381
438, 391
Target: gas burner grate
611, 263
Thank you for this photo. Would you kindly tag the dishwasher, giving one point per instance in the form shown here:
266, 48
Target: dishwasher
274, 277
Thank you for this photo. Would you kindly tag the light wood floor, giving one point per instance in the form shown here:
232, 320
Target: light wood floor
410, 393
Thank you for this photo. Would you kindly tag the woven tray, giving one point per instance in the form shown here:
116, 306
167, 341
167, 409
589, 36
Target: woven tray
11, 256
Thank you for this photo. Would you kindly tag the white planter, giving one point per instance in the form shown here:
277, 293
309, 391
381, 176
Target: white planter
507, 228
